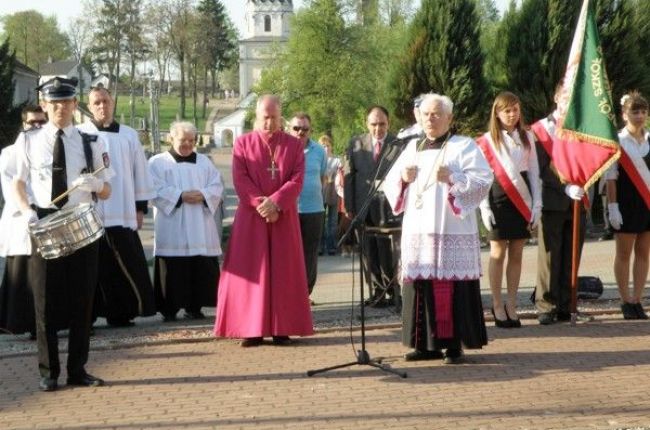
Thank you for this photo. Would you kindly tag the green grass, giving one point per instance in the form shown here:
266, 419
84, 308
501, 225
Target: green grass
169, 107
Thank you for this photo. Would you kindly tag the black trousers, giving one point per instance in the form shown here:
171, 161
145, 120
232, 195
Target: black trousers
71, 281
125, 289
311, 230
555, 240
380, 267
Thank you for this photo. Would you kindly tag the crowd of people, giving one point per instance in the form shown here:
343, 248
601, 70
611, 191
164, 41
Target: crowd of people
414, 200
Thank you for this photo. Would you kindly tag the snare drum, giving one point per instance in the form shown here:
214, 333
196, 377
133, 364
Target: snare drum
66, 231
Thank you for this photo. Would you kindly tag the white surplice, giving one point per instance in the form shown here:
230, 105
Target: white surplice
438, 243
14, 236
190, 229
132, 181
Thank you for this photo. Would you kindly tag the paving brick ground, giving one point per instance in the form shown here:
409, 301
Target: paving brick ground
590, 376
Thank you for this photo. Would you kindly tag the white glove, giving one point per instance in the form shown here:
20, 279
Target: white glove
88, 182
576, 192
488, 218
29, 215
534, 220
614, 215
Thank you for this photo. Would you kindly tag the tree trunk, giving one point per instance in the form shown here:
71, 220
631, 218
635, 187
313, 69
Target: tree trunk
181, 61
194, 75
213, 88
205, 93
132, 92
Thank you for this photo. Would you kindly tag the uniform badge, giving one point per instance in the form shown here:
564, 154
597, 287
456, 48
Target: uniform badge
106, 160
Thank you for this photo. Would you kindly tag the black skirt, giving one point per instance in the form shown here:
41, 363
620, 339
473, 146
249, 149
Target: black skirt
419, 319
635, 213
510, 224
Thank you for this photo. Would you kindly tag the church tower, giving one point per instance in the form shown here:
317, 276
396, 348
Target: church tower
267, 23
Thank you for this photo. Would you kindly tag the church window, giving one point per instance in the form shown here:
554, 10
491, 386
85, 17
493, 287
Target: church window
267, 23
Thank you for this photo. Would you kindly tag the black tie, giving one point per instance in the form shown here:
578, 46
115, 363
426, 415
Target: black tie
59, 180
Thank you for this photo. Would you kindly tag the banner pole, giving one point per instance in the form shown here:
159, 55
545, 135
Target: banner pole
575, 261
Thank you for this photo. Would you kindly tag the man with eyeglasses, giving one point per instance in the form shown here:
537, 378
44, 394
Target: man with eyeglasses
310, 205
363, 159
33, 117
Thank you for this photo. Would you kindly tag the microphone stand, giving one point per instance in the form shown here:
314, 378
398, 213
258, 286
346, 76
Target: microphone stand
357, 223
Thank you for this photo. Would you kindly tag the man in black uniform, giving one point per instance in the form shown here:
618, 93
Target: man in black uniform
52, 159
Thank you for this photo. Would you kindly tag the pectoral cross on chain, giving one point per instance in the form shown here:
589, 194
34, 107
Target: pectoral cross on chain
273, 169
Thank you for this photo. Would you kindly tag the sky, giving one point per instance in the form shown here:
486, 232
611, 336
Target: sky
65, 10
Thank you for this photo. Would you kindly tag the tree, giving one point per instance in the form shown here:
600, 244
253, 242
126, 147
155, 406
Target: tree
537, 38
79, 36
9, 114
442, 56
219, 40
110, 24
36, 39
157, 39
176, 22
135, 46
329, 69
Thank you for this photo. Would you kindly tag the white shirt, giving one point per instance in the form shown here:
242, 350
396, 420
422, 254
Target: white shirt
34, 153
632, 148
132, 181
190, 229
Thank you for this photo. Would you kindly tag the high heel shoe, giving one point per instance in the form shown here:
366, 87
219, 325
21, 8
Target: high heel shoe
500, 323
513, 323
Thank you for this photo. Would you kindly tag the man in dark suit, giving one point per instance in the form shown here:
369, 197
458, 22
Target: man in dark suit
555, 234
368, 158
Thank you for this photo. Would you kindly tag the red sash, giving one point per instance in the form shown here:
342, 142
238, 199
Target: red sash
501, 175
633, 171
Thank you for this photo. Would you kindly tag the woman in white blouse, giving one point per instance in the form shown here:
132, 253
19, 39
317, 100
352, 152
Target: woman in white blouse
628, 194
513, 206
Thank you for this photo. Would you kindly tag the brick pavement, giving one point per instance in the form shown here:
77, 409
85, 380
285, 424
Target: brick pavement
591, 376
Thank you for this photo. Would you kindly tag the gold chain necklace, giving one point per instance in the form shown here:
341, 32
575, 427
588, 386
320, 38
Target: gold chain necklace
438, 160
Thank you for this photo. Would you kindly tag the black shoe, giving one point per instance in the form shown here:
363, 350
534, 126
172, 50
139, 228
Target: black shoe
282, 340
629, 311
417, 355
640, 313
251, 341
48, 384
501, 323
513, 323
119, 322
546, 318
192, 315
85, 380
453, 356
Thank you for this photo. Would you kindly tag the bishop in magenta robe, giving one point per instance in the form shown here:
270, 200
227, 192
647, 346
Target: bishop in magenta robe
263, 287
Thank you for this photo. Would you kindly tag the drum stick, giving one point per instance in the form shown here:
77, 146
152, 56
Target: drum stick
68, 191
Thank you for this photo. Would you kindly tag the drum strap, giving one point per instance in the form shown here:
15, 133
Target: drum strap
88, 153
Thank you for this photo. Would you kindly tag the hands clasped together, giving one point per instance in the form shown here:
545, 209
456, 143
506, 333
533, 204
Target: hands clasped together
267, 209
442, 174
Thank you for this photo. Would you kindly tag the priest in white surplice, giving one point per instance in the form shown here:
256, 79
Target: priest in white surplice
438, 182
124, 289
186, 243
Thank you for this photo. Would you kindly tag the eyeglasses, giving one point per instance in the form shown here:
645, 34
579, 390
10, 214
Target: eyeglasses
298, 129
35, 122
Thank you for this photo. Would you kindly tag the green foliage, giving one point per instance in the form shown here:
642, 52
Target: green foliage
331, 69
217, 35
442, 56
35, 38
9, 115
536, 39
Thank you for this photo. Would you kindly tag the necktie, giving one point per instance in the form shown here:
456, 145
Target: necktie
59, 180
377, 150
